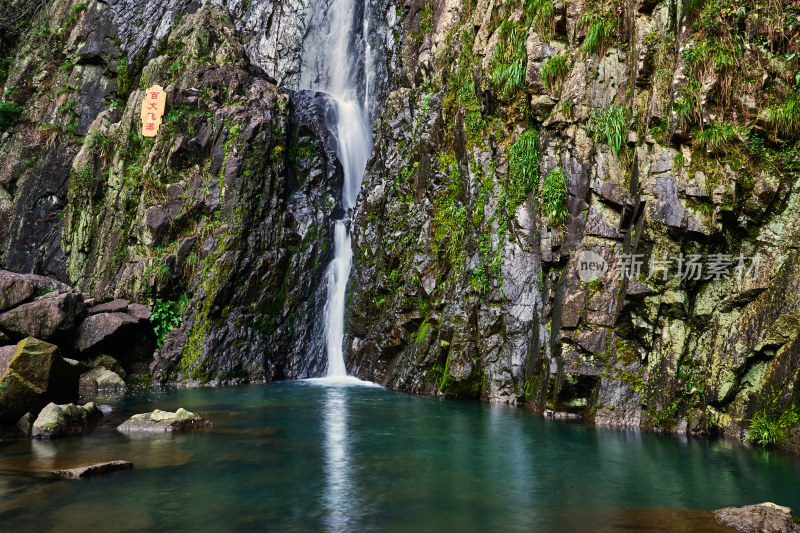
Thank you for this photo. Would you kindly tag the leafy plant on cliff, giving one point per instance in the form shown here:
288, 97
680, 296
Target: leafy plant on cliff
767, 430
166, 316
542, 16
450, 219
720, 137
609, 125
785, 118
554, 72
523, 158
509, 61
554, 197
599, 29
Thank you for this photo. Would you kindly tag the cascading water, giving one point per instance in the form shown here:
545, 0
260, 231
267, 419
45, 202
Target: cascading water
336, 61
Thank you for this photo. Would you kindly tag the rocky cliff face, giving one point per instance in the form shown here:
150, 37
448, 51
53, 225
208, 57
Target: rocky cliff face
524, 137
513, 139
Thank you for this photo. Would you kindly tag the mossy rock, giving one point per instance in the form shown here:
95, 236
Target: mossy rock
35, 375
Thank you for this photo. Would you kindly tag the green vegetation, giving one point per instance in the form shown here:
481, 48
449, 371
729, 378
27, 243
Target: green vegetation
523, 160
167, 315
720, 137
461, 94
9, 114
554, 72
785, 117
510, 59
609, 125
5, 67
450, 219
600, 29
767, 430
554, 197
541, 15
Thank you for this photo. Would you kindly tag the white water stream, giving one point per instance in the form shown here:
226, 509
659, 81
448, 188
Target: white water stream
337, 60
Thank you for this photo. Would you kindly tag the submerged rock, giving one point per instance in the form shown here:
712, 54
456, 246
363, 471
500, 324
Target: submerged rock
32, 376
61, 420
163, 421
93, 470
764, 517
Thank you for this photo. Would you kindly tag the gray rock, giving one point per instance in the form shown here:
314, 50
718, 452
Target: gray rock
49, 317
108, 362
25, 423
101, 379
94, 470
62, 420
115, 306
163, 421
763, 517
14, 291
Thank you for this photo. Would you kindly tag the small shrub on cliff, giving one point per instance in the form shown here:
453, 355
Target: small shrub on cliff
167, 315
767, 430
785, 118
554, 197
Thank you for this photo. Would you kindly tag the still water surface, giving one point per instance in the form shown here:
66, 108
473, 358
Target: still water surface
301, 456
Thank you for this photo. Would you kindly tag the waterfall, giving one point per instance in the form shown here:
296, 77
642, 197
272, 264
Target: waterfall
336, 60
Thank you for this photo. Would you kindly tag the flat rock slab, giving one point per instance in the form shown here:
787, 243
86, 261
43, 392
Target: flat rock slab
93, 470
163, 422
764, 517
116, 306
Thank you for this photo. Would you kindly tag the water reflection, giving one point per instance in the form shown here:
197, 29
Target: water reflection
338, 497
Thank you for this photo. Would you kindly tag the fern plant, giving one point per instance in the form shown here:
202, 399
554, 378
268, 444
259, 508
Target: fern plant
166, 316
766, 430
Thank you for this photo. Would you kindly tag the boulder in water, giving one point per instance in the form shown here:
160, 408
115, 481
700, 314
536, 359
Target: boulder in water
61, 420
163, 421
766, 517
101, 379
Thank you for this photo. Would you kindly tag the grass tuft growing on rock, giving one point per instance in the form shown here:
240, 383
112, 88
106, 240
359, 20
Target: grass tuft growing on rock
766, 430
509, 62
609, 125
554, 197
523, 158
554, 72
599, 29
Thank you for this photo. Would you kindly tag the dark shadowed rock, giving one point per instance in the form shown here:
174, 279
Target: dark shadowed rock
40, 283
25, 423
115, 306
14, 291
51, 317
36, 375
98, 329
764, 517
108, 362
62, 420
93, 470
163, 421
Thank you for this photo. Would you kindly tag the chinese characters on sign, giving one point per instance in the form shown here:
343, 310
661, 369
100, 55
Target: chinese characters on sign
690, 267
155, 100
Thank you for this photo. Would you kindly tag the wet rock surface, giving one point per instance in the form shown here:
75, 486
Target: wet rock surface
63, 420
163, 422
764, 517
94, 470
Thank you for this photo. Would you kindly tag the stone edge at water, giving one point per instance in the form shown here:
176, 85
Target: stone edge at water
163, 422
95, 469
764, 517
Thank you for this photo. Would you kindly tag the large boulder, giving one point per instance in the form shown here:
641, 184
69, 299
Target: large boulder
50, 317
62, 420
128, 337
101, 379
32, 376
14, 291
163, 421
757, 518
